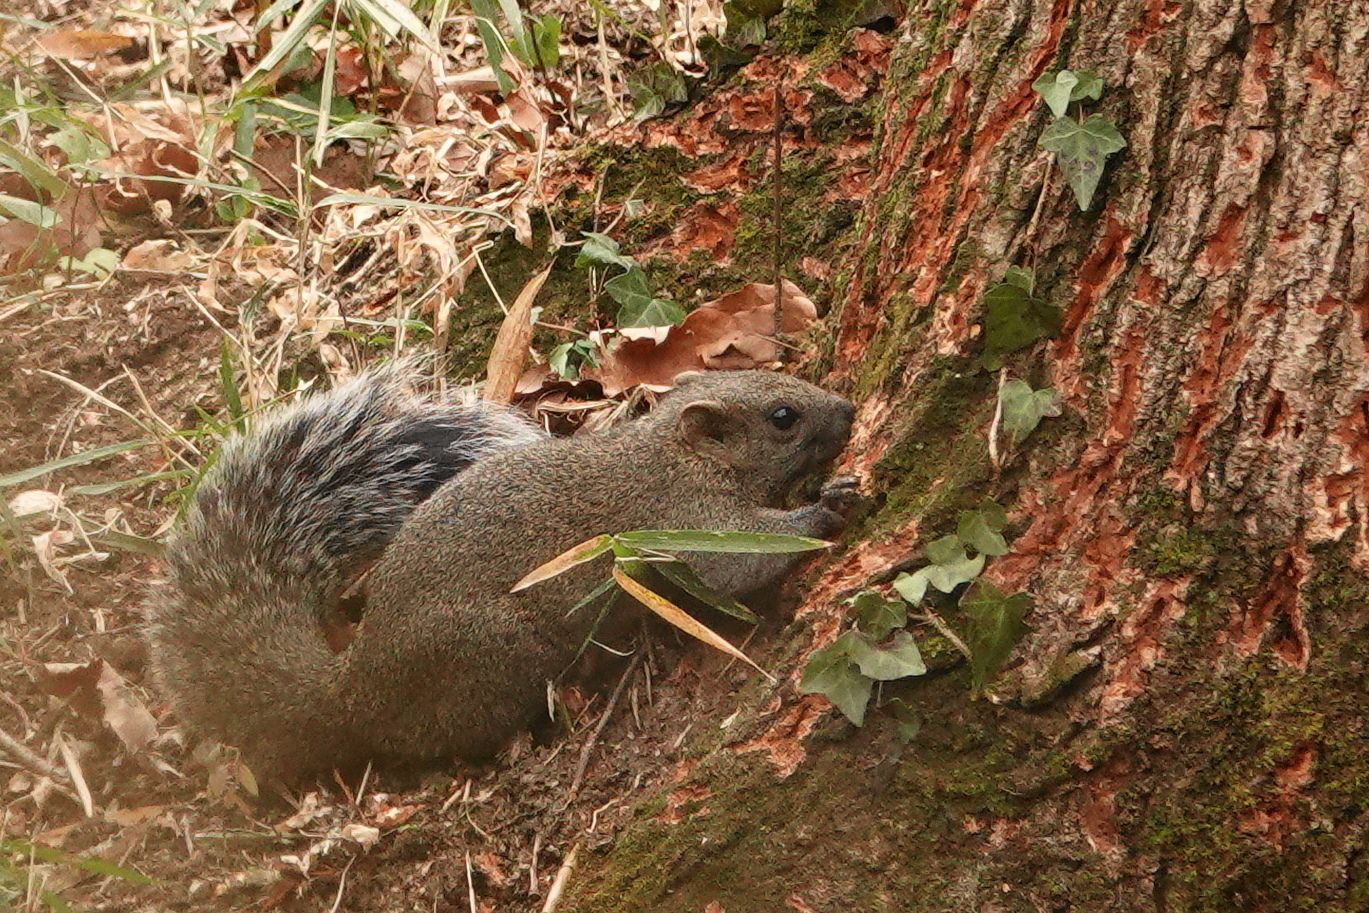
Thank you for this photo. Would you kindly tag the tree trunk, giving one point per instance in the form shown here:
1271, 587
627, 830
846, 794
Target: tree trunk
1184, 727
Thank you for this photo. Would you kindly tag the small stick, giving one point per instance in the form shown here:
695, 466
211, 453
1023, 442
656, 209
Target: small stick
559, 885
585, 752
470, 884
779, 231
533, 888
25, 756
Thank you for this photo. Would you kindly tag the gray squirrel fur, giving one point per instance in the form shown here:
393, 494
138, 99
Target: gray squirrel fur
454, 504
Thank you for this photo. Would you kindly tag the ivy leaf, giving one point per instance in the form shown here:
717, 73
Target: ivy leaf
994, 627
601, 250
655, 87
1082, 150
899, 659
1055, 90
546, 39
981, 529
1013, 320
831, 673
1023, 408
745, 24
1090, 85
639, 308
567, 358
946, 550
1022, 278
907, 722
912, 587
877, 616
950, 566
946, 577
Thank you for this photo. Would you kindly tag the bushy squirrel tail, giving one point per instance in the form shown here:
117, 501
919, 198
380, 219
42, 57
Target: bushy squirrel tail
288, 517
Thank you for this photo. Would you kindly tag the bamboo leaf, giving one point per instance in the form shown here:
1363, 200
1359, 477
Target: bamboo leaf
683, 576
579, 554
680, 618
727, 541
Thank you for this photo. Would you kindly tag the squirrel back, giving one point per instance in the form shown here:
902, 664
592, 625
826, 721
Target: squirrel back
287, 518
447, 661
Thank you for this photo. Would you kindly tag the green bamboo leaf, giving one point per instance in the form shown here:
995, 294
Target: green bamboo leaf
305, 18
684, 577
694, 540
395, 18
28, 211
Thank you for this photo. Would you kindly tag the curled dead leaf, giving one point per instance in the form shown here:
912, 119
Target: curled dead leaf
82, 44
734, 332
96, 690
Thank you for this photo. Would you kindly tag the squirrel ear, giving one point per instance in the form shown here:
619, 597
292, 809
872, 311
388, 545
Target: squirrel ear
685, 377
705, 426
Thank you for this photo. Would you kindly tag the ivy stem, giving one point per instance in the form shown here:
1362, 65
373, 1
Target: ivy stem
945, 631
997, 421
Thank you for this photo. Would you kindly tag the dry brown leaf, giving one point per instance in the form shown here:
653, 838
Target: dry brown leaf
732, 332
481, 79
511, 345
158, 255
96, 690
76, 234
45, 547
35, 501
82, 44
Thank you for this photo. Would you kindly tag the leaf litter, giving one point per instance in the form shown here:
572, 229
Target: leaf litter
143, 185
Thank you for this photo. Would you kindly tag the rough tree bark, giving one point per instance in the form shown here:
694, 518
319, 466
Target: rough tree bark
1184, 727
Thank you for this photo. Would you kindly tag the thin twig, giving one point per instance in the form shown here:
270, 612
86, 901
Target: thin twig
25, 756
585, 752
341, 885
562, 877
470, 885
777, 187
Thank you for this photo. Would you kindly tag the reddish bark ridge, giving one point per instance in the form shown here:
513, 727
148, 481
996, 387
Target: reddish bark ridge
1184, 729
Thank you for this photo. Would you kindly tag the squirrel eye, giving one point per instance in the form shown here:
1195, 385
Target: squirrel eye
784, 418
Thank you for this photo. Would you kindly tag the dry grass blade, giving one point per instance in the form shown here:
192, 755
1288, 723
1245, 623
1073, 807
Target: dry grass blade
511, 345
680, 618
579, 554
78, 777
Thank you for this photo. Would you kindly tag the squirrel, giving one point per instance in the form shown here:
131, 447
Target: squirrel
449, 505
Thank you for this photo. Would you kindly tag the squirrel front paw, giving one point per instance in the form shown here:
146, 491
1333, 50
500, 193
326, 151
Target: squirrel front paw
839, 500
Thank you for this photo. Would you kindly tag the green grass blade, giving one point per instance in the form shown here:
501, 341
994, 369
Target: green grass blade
305, 19
66, 462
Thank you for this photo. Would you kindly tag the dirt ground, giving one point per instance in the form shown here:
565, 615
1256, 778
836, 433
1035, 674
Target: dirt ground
441, 835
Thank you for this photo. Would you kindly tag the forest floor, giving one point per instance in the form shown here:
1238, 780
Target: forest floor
174, 312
